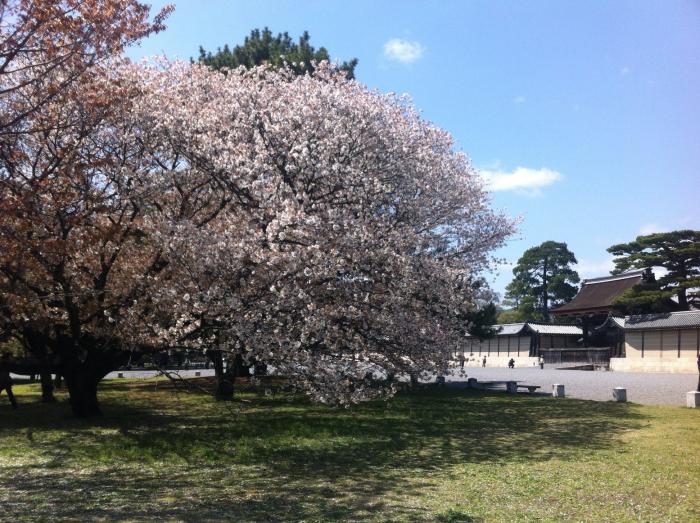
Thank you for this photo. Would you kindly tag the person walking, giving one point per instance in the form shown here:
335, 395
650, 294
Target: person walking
6, 382
483, 362
461, 360
541, 362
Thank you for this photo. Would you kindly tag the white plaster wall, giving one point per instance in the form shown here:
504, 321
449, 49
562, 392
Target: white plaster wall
650, 364
499, 361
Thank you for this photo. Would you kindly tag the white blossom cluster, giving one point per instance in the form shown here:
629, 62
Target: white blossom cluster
306, 222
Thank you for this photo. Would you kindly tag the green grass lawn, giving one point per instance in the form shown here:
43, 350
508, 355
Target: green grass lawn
430, 455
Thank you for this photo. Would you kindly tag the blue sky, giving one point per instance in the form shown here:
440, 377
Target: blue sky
585, 115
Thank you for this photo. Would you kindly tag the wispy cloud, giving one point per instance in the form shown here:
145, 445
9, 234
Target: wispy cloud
594, 268
403, 51
625, 71
519, 100
522, 179
651, 228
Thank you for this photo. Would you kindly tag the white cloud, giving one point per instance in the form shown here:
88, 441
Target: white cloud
651, 228
522, 179
594, 268
403, 51
597, 268
519, 100
625, 71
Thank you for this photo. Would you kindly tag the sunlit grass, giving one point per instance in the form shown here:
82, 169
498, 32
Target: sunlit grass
430, 455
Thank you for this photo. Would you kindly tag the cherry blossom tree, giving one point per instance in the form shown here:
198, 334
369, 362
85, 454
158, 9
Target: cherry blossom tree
307, 223
355, 234
57, 92
46, 45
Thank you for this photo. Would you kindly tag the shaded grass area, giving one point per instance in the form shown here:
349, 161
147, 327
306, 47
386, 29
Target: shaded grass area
429, 455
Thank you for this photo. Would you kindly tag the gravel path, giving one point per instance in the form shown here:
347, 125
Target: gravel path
142, 374
150, 373
646, 388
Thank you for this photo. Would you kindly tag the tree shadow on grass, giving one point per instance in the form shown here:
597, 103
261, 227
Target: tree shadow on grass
284, 458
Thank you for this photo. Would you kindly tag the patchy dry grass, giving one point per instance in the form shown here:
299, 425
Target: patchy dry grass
431, 455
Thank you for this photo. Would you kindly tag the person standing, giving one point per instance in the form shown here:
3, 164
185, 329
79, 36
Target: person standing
483, 362
6, 382
541, 362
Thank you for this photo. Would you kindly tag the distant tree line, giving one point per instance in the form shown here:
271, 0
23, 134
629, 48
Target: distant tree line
544, 277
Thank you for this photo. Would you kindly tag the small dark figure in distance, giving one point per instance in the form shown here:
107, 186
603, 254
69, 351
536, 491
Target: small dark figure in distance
541, 362
6, 382
511, 364
461, 361
483, 362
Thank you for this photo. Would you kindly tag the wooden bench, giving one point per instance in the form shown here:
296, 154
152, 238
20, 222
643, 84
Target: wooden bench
530, 388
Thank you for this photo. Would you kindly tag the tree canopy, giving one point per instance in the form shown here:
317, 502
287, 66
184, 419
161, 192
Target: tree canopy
678, 253
47, 45
262, 47
544, 279
305, 222
62, 206
285, 215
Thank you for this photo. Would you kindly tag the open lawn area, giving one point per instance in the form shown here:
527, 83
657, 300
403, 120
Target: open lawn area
429, 455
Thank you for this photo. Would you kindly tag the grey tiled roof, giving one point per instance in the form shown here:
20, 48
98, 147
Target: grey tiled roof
612, 321
620, 322
521, 329
668, 320
563, 330
509, 329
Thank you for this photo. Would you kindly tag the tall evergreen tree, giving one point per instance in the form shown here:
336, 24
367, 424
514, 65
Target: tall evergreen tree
543, 280
678, 252
262, 47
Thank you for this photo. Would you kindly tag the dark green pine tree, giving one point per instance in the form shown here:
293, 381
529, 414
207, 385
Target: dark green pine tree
678, 252
544, 279
262, 47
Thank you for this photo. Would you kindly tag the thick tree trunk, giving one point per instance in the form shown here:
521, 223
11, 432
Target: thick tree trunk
47, 387
238, 367
244, 370
58, 381
218, 363
225, 386
224, 377
37, 343
82, 388
83, 375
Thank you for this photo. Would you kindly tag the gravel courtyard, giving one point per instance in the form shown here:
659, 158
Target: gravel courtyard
645, 388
